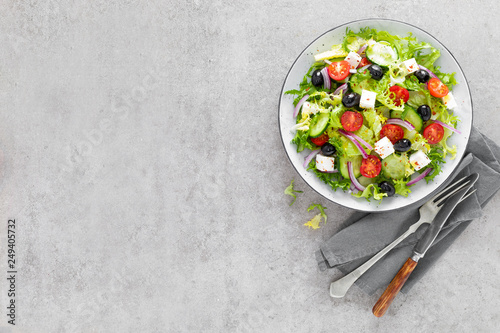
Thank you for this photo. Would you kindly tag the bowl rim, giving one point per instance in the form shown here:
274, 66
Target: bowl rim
452, 173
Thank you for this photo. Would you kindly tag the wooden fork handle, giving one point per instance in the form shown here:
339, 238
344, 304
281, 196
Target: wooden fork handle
394, 287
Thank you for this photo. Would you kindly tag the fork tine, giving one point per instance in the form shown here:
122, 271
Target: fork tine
449, 187
452, 192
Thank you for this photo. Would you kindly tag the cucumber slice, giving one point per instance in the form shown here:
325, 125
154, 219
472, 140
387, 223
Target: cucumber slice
393, 166
409, 114
382, 53
414, 118
396, 114
410, 135
358, 85
319, 124
356, 165
366, 181
386, 112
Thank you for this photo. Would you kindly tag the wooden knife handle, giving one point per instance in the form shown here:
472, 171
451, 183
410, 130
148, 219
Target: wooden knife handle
394, 287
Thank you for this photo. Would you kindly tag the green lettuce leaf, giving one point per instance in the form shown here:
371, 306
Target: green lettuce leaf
363, 80
334, 180
436, 157
321, 210
418, 142
352, 38
418, 98
401, 188
302, 142
427, 56
337, 143
291, 191
306, 87
446, 78
411, 83
353, 43
324, 99
366, 134
335, 115
448, 118
371, 190
374, 121
314, 222
446, 149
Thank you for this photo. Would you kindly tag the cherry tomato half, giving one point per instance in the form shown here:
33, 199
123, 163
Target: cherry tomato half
351, 121
393, 132
434, 133
339, 70
370, 167
320, 140
437, 88
364, 62
399, 95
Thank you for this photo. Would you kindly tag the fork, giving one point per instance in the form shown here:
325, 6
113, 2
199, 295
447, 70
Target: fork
427, 212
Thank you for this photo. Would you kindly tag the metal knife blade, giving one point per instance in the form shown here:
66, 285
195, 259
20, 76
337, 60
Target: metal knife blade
435, 227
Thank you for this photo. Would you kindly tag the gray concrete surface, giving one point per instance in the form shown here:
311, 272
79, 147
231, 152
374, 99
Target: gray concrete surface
143, 166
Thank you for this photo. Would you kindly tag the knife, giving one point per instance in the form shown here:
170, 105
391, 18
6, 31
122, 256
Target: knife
420, 249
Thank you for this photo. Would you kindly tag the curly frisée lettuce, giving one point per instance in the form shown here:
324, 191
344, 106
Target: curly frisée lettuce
316, 220
401, 187
363, 81
291, 191
334, 180
397, 93
371, 190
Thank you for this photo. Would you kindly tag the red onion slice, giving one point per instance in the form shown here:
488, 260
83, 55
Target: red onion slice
327, 61
363, 68
362, 49
401, 122
363, 142
353, 179
327, 84
428, 71
310, 157
356, 143
420, 177
342, 89
451, 128
299, 104
334, 171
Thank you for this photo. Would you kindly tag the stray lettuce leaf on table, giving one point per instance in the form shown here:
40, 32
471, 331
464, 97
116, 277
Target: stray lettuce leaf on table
291, 191
315, 221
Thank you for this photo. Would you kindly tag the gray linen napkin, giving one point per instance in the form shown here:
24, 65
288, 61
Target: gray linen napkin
363, 235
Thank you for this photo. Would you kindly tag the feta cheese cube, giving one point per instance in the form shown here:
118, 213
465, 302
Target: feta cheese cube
325, 163
308, 108
384, 147
368, 99
418, 160
411, 65
353, 59
449, 101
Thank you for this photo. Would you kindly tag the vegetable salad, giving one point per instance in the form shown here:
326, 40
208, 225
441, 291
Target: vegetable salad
375, 114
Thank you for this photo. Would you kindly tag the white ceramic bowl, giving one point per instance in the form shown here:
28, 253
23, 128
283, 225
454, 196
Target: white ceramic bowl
335, 36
